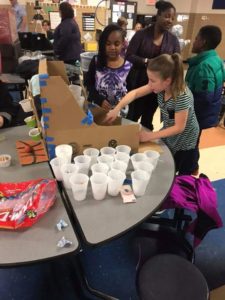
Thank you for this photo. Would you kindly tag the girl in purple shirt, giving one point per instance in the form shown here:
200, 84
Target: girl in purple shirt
106, 77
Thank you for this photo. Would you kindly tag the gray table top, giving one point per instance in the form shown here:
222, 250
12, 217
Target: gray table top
11, 78
38, 242
103, 220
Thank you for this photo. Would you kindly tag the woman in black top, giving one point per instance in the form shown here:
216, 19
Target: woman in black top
145, 44
67, 44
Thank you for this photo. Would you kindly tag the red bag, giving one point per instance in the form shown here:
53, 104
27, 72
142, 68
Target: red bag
8, 31
23, 203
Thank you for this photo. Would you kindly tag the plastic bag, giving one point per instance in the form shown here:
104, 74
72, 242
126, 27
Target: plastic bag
23, 203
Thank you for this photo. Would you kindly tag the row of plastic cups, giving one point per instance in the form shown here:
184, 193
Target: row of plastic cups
111, 183
100, 184
65, 152
72, 178
104, 164
63, 171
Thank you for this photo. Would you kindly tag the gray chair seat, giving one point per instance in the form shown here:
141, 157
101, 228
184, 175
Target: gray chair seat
171, 277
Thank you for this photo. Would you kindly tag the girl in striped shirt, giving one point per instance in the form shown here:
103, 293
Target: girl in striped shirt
180, 129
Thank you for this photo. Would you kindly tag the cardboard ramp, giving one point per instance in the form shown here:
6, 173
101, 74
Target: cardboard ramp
63, 117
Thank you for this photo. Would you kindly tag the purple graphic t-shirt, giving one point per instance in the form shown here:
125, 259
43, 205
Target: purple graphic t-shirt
111, 83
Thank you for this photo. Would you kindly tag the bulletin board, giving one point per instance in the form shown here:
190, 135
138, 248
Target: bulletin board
79, 11
124, 9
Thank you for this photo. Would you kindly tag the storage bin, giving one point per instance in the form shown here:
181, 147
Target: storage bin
86, 59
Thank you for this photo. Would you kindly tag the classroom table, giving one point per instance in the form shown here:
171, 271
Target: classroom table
106, 219
38, 242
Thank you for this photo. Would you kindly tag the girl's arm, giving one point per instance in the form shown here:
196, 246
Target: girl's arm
178, 127
128, 98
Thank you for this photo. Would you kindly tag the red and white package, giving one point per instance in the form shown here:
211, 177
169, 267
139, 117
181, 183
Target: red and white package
23, 204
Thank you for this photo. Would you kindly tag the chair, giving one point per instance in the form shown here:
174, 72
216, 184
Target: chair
171, 277
165, 235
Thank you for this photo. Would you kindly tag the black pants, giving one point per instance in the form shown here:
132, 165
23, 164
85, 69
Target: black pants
186, 161
145, 108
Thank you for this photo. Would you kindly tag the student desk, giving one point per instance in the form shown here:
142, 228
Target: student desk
103, 220
38, 242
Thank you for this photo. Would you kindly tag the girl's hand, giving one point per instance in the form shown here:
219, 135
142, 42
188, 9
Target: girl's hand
111, 116
145, 136
106, 105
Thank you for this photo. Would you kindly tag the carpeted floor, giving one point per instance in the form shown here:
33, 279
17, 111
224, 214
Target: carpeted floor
210, 255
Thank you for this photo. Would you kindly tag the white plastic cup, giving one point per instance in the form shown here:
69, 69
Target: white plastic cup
136, 158
140, 179
119, 165
93, 153
100, 168
145, 166
26, 105
65, 152
105, 159
83, 163
121, 156
67, 171
81, 101
79, 184
152, 157
108, 151
99, 183
115, 182
124, 149
76, 91
56, 164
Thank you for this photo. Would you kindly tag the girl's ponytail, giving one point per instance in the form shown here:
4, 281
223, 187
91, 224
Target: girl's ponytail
170, 66
178, 83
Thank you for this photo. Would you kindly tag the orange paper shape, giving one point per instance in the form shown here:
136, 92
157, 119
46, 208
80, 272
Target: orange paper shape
31, 152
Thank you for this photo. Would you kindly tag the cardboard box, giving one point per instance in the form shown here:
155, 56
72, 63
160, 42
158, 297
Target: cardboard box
218, 293
63, 117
